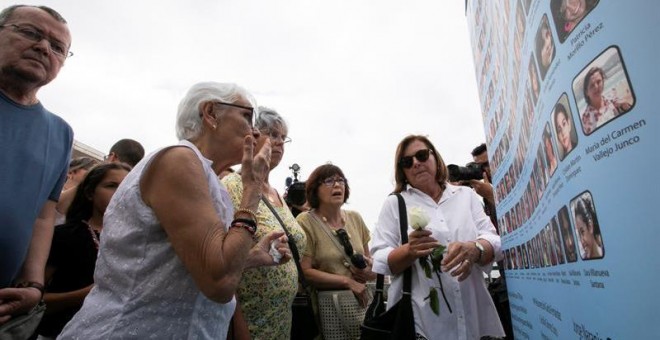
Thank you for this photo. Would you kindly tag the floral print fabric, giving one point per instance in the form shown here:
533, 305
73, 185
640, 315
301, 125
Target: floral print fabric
265, 294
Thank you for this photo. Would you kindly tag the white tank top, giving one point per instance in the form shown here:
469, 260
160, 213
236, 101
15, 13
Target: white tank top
143, 290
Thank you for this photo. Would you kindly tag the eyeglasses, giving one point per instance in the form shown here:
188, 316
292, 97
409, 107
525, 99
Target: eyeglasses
30, 33
274, 135
251, 109
422, 155
330, 182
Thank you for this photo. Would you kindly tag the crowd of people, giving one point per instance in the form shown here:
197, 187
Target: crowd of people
175, 244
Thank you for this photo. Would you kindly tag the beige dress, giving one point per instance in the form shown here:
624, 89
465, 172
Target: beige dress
327, 256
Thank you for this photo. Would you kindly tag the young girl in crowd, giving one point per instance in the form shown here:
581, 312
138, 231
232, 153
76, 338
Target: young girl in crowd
70, 267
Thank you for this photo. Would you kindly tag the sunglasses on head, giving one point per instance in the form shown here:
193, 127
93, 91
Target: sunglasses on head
422, 155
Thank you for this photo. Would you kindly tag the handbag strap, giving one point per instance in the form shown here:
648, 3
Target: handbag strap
403, 225
292, 244
326, 228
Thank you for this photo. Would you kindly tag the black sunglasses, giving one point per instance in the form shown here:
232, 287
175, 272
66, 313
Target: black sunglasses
357, 259
422, 155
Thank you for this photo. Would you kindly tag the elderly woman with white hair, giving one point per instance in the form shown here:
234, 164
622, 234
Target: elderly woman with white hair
173, 247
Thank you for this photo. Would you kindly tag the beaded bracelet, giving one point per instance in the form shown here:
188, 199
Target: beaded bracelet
31, 284
247, 224
246, 211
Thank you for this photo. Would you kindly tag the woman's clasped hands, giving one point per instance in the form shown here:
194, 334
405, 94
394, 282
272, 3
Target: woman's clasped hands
457, 260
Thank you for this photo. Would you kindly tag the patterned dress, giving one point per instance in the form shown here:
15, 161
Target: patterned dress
593, 118
266, 293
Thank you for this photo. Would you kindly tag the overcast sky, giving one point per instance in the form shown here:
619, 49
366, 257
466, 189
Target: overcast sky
352, 78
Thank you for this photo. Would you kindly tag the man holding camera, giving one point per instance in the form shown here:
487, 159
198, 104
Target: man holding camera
477, 175
484, 189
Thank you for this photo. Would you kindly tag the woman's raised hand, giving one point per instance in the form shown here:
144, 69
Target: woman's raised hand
254, 170
255, 166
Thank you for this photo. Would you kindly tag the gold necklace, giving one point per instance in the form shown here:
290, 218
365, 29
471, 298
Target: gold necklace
95, 238
331, 225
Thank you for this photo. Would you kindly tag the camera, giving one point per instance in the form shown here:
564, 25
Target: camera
470, 171
295, 194
295, 191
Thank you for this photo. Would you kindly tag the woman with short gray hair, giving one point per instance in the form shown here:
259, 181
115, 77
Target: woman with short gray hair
173, 247
265, 294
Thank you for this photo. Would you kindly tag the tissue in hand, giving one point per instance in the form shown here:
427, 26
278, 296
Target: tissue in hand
273, 251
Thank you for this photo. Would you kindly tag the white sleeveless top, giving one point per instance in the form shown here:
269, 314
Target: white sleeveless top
143, 290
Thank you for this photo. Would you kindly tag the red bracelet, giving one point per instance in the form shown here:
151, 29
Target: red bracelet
246, 224
31, 284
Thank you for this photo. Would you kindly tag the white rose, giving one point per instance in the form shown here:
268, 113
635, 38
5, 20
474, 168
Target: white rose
417, 218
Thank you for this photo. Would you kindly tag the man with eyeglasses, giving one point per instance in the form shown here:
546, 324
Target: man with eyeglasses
36, 148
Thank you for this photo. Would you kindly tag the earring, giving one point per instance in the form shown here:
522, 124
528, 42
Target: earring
214, 126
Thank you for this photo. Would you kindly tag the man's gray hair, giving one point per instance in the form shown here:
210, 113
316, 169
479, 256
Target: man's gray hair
6, 13
189, 120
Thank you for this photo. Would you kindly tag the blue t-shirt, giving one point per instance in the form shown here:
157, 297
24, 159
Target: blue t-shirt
35, 148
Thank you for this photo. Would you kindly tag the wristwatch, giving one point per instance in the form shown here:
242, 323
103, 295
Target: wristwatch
481, 251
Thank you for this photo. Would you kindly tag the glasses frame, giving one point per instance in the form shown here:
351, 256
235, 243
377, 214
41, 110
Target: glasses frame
269, 133
330, 182
423, 155
35, 35
251, 109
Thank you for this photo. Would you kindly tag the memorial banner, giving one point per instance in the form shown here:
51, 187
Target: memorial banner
571, 122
